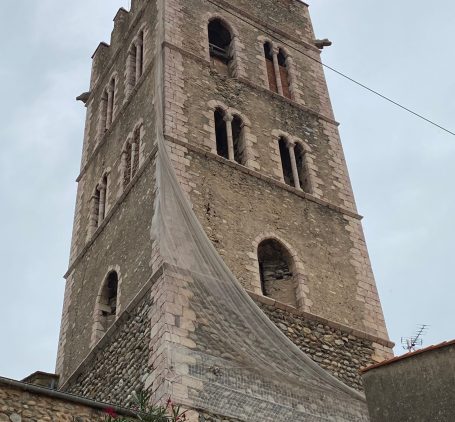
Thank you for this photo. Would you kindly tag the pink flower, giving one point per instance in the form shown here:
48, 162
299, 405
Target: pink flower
111, 412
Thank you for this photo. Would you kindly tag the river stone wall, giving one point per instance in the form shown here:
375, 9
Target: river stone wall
340, 352
118, 365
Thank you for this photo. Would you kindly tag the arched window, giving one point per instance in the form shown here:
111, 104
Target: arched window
276, 269
284, 73
131, 157
268, 51
106, 306
286, 162
103, 112
221, 133
220, 40
107, 106
135, 63
302, 169
238, 139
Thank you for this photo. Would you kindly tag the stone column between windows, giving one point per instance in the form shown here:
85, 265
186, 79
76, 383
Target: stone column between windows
138, 60
295, 172
277, 71
133, 158
230, 140
102, 207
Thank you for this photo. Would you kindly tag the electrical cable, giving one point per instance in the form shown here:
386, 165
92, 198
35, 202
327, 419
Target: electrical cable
339, 73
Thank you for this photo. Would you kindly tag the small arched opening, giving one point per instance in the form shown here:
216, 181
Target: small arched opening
108, 300
220, 40
276, 269
286, 162
271, 75
222, 148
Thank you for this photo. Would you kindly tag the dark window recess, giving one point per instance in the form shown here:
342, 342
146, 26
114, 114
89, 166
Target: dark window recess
238, 140
286, 163
221, 134
284, 74
275, 269
220, 45
109, 310
268, 51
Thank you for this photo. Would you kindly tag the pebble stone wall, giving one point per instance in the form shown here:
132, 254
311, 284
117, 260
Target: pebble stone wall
118, 368
337, 351
19, 405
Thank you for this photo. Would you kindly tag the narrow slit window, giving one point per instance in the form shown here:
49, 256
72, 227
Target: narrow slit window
268, 51
284, 73
221, 134
238, 140
286, 162
220, 40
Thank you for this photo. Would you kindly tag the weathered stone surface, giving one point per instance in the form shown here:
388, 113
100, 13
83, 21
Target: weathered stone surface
119, 367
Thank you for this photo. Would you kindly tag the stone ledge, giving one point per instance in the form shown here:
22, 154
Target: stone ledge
258, 175
244, 14
117, 117
112, 211
253, 85
336, 325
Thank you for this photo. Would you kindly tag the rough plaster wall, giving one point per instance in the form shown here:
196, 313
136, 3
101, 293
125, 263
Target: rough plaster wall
419, 388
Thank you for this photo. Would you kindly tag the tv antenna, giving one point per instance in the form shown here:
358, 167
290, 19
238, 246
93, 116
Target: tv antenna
411, 343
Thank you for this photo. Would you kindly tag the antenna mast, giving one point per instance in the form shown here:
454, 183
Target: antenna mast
410, 343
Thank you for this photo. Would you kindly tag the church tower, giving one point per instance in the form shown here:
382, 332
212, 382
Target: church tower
217, 255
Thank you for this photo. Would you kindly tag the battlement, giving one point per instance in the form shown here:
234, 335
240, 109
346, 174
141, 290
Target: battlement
124, 23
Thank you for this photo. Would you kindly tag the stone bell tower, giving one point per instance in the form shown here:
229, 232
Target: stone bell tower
254, 144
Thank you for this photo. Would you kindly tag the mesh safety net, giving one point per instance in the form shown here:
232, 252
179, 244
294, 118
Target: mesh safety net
242, 365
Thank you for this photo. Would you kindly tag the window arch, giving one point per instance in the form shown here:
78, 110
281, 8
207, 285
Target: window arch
107, 106
286, 162
220, 45
98, 205
277, 272
271, 74
230, 135
106, 306
221, 133
284, 73
130, 157
294, 163
135, 62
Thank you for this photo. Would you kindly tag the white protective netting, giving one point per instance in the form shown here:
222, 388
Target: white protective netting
245, 366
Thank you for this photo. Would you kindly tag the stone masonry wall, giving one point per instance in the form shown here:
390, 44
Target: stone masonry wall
118, 366
340, 284
17, 404
338, 351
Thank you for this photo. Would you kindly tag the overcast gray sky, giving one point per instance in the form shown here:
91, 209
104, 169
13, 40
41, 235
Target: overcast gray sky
401, 167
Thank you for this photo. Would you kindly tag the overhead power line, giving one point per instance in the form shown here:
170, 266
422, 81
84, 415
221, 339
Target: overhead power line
343, 75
